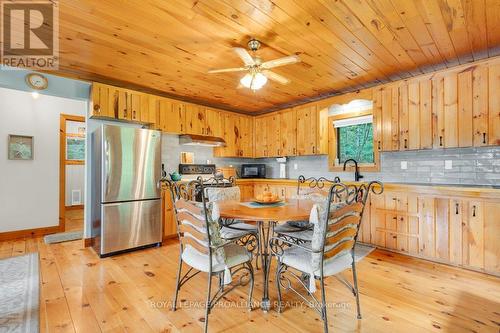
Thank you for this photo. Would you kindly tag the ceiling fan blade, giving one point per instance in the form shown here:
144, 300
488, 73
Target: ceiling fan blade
245, 56
227, 70
276, 77
281, 62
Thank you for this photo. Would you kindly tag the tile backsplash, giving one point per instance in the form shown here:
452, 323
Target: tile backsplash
479, 165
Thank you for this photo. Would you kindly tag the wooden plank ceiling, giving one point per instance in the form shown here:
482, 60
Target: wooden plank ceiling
168, 46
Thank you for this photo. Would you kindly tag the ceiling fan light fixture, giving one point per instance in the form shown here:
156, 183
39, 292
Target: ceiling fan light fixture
253, 81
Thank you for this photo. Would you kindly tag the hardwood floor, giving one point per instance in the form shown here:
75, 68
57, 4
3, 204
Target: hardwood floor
74, 219
131, 293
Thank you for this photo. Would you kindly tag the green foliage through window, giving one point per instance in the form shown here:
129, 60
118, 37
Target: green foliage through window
356, 142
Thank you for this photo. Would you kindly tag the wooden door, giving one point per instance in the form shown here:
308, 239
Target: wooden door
246, 142
491, 232
154, 111
123, 105
442, 228
404, 116
473, 235
171, 116
480, 106
307, 130
450, 110
425, 116
134, 105
377, 120
260, 137
273, 135
214, 123
390, 118
427, 235
457, 207
494, 105
465, 113
168, 216
195, 119
288, 132
100, 106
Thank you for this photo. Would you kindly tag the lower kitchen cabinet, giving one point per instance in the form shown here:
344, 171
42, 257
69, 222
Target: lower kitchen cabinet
457, 230
168, 215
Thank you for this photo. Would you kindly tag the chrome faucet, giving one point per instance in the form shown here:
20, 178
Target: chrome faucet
357, 176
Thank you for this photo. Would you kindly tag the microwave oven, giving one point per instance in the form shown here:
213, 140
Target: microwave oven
253, 171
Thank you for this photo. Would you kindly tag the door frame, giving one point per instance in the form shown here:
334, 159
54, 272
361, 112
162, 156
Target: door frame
62, 165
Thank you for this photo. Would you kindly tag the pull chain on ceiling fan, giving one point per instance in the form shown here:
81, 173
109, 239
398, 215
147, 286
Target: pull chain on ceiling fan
258, 72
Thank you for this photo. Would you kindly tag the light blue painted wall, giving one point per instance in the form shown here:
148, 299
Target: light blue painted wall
58, 86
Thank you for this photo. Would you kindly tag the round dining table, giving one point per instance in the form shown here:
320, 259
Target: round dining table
266, 217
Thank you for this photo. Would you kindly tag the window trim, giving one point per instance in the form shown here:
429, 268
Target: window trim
333, 144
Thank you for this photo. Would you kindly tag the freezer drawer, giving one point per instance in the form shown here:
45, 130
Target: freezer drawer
128, 225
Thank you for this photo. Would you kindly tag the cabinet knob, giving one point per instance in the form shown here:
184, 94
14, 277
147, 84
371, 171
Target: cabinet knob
484, 137
406, 143
440, 141
314, 150
474, 211
456, 208
97, 108
379, 145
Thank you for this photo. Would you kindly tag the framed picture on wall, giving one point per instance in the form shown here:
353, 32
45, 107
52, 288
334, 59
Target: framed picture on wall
75, 148
20, 147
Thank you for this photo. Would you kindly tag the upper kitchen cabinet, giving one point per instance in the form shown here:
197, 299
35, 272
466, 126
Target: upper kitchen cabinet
195, 120
172, 116
104, 101
288, 132
238, 134
267, 135
214, 122
494, 104
312, 138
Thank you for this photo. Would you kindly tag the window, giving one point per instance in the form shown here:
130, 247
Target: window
355, 139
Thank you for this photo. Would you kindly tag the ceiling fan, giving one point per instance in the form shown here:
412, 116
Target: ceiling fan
258, 71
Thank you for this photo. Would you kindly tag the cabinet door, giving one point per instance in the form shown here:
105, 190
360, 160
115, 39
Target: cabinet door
195, 119
473, 235
438, 112
450, 110
288, 132
154, 111
390, 119
100, 106
231, 136
465, 120
307, 127
491, 232
480, 105
169, 222
273, 135
425, 116
427, 227
404, 117
260, 137
214, 123
247, 192
377, 220
377, 120
123, 105
134, 105
455, 224
494, 105
147, 115
442, 228
246, 142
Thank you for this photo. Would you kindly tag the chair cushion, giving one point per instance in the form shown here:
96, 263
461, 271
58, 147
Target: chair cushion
230, 233
301, 260
223, 193
235, 255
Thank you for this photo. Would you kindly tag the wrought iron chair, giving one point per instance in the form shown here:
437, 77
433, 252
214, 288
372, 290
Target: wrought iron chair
302, 231
202, 248
244, 234
332, 247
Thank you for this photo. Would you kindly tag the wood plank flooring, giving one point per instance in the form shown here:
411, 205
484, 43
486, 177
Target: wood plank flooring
132, 293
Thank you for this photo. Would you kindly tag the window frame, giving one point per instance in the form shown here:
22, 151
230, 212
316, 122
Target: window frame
333, 144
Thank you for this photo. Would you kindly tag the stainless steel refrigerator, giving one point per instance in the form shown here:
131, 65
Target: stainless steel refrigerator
126, 205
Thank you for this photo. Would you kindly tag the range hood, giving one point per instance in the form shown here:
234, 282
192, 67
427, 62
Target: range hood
200, 140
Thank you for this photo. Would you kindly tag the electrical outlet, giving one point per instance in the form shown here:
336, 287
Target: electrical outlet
448, 164
295, 166
404, 165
